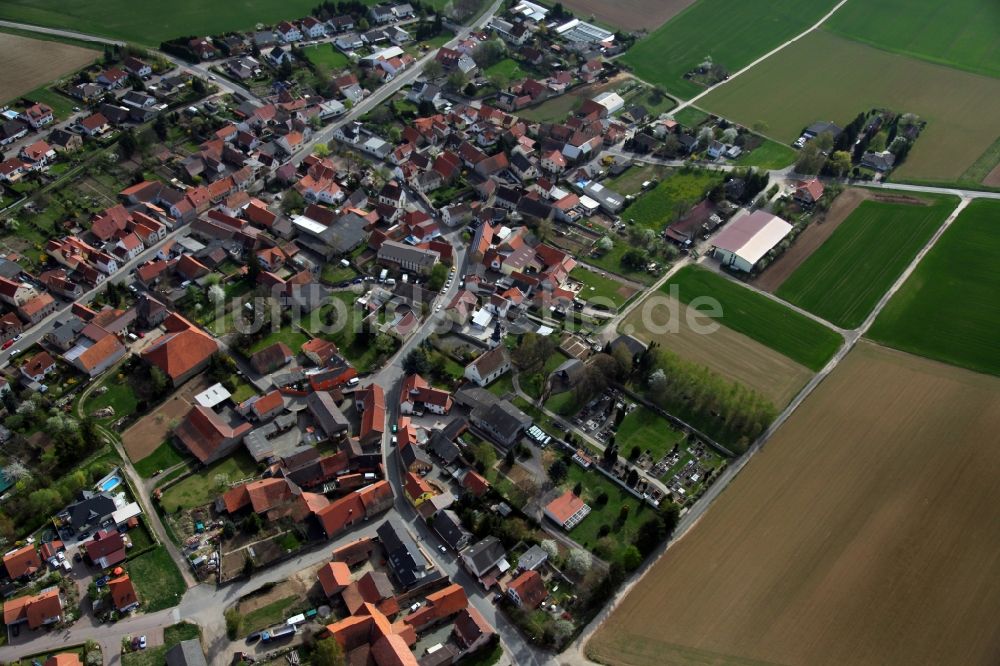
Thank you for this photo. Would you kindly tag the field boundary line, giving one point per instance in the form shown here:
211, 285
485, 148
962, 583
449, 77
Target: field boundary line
576, 653
823, 19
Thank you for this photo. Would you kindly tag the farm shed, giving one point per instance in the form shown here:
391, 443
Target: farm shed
747, 239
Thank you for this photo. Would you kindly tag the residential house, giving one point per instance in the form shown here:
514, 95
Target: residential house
485, 557
809, 192
22, 563
527, 590
407, 257
38, 115
38, 366
210, 436
449, 527
567, 510
182, 352
106, 549
417, 395
37, 610
489, 366
123, 596
288, 32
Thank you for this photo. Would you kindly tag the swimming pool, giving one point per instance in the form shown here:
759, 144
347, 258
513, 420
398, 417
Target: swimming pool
110, 483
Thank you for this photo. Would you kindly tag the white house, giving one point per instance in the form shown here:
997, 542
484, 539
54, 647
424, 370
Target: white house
488, 366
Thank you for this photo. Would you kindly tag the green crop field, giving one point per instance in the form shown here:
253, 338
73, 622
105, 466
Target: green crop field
844, 279
149, 22
947, 309
959, 33
326, 58
734, 34
758, 317
962, 110
670, 199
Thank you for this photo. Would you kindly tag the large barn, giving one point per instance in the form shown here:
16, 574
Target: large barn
747, 239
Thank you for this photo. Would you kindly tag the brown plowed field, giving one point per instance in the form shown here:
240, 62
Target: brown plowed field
727, 353
864, 533
817, 233
148, 433
629, 14
30, 63
993, 177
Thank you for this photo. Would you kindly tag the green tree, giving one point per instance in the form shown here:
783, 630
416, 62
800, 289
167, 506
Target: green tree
437, 277
292, 201
416, 362
558, 471
234, 619
650, 534
127, 144
159, 380
839, 163
631, 558
327, 653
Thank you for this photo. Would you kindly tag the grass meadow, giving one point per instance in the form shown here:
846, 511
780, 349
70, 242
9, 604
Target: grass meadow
844, 279
760, 318
947, 309
148, 22
962, 110
957, 33
670, 199
326, 58
734, 34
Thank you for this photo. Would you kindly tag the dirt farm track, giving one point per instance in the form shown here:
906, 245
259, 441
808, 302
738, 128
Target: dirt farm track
30, 63
865, 532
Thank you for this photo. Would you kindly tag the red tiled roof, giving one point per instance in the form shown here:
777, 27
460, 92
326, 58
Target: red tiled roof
475, 483
563, 507
440, 605
333, 577
181, 350
202, 431
22, 562
416, 486
530, 589
122, 592
64, 659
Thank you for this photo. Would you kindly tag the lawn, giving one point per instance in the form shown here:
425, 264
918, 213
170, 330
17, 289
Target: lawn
768, 155
844, 279
326, 58
166, 455
269, 614
534, 383
502, 385
670, 199
61, 105
947, 309
506, 70
612, 261
201, 488
288, 334
601, 290
156, 656
958, 33
587, 532
648, 430
120, 396
158, 583
962, 110
630, 181
334, 273
733, 34
768, 322
563, 404
691, 117
347, 336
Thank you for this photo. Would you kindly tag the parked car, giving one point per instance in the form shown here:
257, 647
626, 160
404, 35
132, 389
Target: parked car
8, 344
142, 642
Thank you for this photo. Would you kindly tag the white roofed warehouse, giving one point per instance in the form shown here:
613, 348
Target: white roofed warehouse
747, 239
